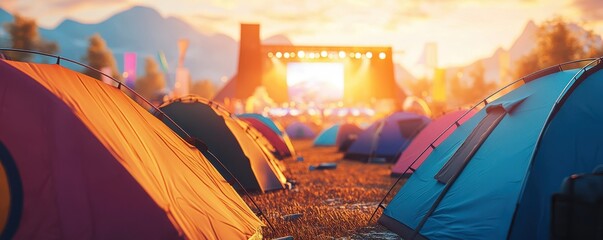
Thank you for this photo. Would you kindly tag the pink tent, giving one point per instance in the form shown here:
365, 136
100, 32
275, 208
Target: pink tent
282, 151
423, 140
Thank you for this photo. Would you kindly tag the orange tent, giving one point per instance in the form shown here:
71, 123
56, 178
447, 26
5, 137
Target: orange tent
79, 159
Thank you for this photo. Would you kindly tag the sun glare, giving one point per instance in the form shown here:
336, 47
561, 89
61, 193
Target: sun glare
320, 82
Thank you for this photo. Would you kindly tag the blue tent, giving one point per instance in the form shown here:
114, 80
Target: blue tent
493, 178
386, 138
299, 130
328, 136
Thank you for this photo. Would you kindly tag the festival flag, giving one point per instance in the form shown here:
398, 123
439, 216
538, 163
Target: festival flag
130, 69
163, 62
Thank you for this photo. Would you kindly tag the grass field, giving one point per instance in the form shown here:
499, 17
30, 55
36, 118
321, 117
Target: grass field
330, 204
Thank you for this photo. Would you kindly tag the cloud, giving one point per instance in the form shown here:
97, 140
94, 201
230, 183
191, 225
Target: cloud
50, 12
590, 9
70, 4
8, 5
210, 17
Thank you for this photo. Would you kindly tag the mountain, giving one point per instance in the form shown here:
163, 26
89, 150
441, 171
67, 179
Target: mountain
402, 75
5, 17
525, 42
523, 45
144, 31
277, 40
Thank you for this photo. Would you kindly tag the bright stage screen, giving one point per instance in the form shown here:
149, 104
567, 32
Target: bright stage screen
315, 82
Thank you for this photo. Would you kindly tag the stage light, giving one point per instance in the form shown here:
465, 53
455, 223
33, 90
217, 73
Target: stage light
311, 55
382, 55
286, 55
279, 54
323, 54
301, 54
270, 54
358, 55
369, 55
292, 54
341, 54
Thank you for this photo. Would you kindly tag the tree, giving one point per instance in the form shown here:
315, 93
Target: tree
98, 57
557, 43
475, 89
149, 85
24, 35
204, 88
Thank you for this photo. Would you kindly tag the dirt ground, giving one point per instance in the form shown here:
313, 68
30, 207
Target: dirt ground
327, 204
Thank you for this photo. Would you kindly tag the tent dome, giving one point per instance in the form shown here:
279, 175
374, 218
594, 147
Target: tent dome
82, 160
494, 176
230, 140
387, 137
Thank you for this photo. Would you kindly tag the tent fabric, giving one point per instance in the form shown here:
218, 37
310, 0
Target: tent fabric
426, 137
299, 130
266, 121
229, 140
387, 137
507, 184
336, 134
94, 164
328, 136
265, 146
347, 132
450, 171
570, 144
272, 131
281, 150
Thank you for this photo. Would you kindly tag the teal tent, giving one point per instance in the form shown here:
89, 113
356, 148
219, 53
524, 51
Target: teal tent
328, 136
493, 178
338, 135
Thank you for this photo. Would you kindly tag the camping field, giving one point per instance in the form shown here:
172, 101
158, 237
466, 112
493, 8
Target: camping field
327, 204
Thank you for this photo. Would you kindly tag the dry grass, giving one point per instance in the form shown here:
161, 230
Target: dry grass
334, 203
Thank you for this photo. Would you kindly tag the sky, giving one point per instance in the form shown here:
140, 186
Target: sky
464, 30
